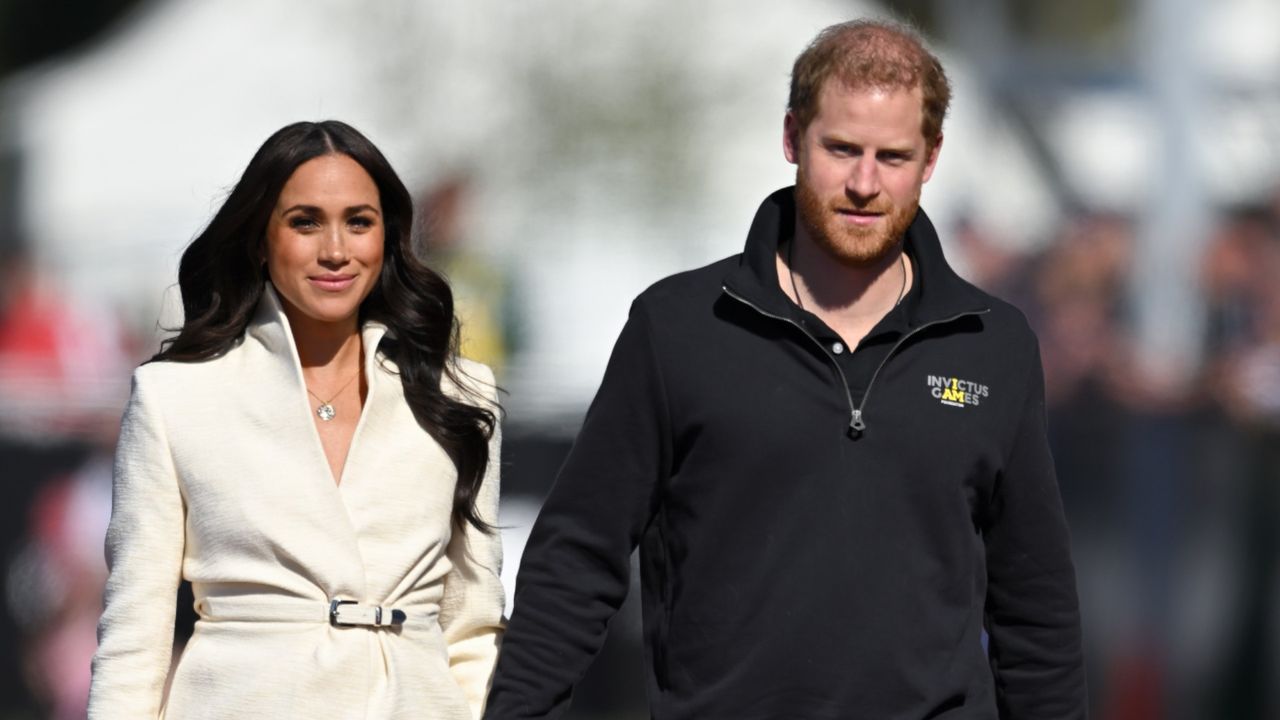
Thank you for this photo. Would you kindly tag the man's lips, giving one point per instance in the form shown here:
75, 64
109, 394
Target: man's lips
859, 217
332, 283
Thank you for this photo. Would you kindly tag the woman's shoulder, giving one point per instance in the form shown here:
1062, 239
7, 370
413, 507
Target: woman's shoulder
161, 375
476, 378
158, 387
474, 368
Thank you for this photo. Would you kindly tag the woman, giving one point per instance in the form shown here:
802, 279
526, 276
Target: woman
312, 456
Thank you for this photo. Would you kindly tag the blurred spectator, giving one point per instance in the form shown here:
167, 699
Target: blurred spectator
1078, 306
482, 291
64, 367
1240, 273
989, 263
1077, 301
54, 586
1080, 286
1241, 269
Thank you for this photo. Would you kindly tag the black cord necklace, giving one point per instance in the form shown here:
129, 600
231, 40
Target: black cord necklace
792, 273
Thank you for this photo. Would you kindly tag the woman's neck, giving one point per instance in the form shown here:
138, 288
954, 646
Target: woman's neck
334, 347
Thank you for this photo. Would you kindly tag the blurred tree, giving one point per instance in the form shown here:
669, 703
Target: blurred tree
34, 30
1081, 24
1097, 29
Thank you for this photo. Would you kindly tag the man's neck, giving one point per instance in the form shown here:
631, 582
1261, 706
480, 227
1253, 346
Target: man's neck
850, 299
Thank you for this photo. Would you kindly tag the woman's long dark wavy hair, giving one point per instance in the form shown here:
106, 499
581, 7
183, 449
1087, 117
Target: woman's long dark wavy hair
222, 274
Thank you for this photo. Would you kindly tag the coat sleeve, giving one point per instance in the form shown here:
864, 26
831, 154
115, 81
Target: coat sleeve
144, 548
471, 610
576, 565
1033, 620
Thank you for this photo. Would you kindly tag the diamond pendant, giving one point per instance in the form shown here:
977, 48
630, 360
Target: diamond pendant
326, 412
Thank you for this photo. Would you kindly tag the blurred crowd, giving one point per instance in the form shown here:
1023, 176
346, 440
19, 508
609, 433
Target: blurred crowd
64, 369
1170, 488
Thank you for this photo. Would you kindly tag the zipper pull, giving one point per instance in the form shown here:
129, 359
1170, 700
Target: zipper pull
856, 426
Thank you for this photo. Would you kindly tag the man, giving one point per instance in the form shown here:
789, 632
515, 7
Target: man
830, 450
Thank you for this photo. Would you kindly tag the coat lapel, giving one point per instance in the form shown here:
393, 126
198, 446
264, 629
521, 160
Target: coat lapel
272, 360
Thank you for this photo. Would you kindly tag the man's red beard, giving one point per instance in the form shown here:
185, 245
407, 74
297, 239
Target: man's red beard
846, 242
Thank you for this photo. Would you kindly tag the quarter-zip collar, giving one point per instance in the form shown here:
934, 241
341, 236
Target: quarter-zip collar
939, 297
941, 293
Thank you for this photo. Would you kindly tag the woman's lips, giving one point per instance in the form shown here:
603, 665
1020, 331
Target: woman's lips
332, 283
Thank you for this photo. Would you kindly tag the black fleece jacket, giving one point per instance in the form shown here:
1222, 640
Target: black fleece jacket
822, 533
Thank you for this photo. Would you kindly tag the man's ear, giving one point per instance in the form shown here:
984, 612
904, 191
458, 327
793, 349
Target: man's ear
933, 159
791, 138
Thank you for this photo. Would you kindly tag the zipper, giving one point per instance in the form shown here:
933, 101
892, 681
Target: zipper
856, 414
856, 423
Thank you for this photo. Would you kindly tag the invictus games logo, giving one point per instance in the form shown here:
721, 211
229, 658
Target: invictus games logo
956, 392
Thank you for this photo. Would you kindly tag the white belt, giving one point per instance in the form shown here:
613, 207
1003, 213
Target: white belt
341, 612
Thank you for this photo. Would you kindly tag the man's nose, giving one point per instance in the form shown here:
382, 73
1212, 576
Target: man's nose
864, 179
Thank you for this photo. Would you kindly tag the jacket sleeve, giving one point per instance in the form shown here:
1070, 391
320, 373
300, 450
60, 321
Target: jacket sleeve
1033, 620
576, 564
144, 547
471, 609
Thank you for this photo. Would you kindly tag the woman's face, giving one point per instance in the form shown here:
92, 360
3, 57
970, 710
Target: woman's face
324, 241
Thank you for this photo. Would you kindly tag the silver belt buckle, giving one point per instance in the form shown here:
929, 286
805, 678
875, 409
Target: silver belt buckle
334, 604
396, 617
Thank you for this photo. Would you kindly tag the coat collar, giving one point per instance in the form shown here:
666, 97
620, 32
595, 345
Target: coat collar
270, 328
941, 292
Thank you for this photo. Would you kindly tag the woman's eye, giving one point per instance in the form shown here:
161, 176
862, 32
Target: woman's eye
301, 222
361, 221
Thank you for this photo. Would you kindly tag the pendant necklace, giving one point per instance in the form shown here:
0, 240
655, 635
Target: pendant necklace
325, 410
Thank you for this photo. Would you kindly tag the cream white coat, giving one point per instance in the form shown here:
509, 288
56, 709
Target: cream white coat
220, 479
